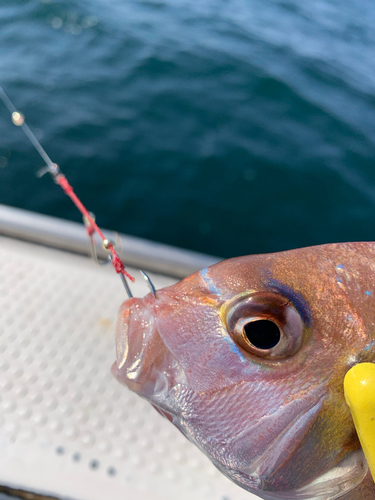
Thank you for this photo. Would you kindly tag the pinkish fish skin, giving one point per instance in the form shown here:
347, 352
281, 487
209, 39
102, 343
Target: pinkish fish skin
274, 420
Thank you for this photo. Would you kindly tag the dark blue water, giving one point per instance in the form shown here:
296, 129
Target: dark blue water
226, 126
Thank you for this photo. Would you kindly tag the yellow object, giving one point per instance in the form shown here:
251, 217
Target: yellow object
359, 388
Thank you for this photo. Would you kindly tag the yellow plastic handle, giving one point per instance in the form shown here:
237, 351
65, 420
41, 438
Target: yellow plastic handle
359, 388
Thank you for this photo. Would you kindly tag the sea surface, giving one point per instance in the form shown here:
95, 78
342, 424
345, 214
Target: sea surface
225, 126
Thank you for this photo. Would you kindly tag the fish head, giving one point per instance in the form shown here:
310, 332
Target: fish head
247, 359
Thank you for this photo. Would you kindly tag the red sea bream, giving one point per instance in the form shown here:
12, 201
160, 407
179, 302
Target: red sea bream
247, 358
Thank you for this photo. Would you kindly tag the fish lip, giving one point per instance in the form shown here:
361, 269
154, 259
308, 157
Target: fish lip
143, 361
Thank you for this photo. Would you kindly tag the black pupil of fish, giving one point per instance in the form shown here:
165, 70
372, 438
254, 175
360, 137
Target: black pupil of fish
263, 334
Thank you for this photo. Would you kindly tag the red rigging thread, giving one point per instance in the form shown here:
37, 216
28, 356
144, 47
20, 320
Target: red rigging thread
19, 120
67, 188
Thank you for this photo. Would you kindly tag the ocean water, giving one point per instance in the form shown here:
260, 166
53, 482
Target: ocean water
225, 126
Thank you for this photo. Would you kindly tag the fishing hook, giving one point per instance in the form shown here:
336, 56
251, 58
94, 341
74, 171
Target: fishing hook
149, 283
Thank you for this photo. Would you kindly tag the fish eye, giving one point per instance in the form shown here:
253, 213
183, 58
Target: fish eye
265, 324
262, 333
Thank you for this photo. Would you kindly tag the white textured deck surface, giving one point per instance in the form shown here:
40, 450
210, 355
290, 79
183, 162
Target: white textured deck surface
66, 427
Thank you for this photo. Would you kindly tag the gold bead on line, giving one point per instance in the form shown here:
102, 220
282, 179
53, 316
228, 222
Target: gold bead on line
108, 244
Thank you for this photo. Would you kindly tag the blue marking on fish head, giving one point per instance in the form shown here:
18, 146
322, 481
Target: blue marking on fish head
369, 346
209, 282
296, 298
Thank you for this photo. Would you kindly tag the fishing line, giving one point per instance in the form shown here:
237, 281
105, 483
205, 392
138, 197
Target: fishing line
52, 168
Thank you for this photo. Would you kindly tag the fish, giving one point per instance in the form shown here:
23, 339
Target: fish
247, 359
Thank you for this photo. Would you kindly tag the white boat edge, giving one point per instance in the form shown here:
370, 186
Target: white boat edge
72, 236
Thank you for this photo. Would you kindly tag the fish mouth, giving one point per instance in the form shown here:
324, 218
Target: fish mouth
143, 362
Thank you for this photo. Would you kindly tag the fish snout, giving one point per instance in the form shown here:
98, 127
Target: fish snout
143, 362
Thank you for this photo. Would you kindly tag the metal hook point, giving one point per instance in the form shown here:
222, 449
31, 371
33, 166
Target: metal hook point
149, 283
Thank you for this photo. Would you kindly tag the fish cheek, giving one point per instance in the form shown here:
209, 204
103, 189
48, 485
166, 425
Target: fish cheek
196, 337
